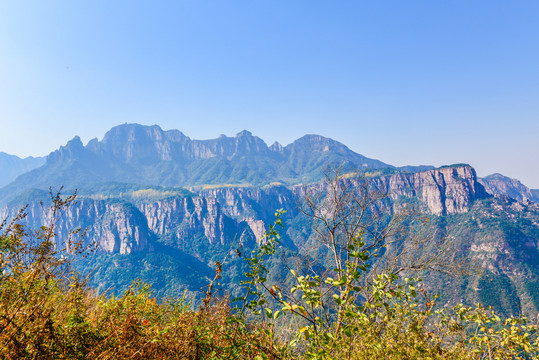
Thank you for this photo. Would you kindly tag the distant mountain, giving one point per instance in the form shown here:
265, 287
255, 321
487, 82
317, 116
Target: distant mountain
147, 226
12, 166
496, 184
535, 193
171, 238
133, 153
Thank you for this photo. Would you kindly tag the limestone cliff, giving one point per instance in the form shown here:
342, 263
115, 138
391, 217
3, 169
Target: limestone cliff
122, 227
238, 214
254, 206
179, 219
447, 190
115, 226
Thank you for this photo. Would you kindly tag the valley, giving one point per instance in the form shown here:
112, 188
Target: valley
164, 208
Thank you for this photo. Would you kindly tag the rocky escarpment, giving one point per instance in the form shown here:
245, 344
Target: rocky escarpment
254, 206
116, 227
122, 227
179, 219
498, 184
447, 190
231, 214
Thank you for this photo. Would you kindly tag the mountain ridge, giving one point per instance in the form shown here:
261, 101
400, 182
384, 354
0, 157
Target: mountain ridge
500, 184
12, 166
132, 202
133, 153
149, 155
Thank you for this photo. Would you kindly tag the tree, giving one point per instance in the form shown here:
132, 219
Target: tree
353, 298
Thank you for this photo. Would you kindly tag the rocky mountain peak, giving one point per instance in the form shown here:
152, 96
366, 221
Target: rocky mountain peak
498, 184
318, 143
76, 142
74, 149
276, 147
244, 133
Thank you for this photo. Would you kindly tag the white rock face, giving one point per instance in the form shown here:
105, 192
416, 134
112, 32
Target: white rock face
183, 217
257, 227
448, 190
225, 215
116, 227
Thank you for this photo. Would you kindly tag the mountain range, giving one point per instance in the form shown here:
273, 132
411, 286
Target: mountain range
163, 208
133, 153
13, 166
148, 155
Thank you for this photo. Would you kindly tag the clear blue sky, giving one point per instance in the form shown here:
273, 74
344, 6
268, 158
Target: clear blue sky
406, 82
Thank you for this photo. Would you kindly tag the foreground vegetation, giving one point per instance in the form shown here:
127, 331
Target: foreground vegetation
350, 312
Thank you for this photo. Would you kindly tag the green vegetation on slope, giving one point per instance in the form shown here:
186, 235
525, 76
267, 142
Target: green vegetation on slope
394, 319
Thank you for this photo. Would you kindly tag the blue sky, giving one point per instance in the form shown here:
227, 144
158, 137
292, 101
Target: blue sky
406, 82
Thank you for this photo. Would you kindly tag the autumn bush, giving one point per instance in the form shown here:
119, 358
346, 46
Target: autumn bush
47, 311
339, 315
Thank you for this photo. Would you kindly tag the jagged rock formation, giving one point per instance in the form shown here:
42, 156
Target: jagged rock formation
116, 227
139, 154
259, 203
448, 190
120, 227
179, 219
228, 214
498, 184
131, 204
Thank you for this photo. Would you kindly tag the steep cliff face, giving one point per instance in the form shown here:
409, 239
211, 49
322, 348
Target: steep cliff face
121, 227
254, 206
116, 227
179, 219
189, 230
447, 190
224, 215
256, 202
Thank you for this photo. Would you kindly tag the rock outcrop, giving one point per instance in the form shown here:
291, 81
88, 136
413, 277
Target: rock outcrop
121, 227
228, 214
447, 190
116, 227
179, 219
496, 184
